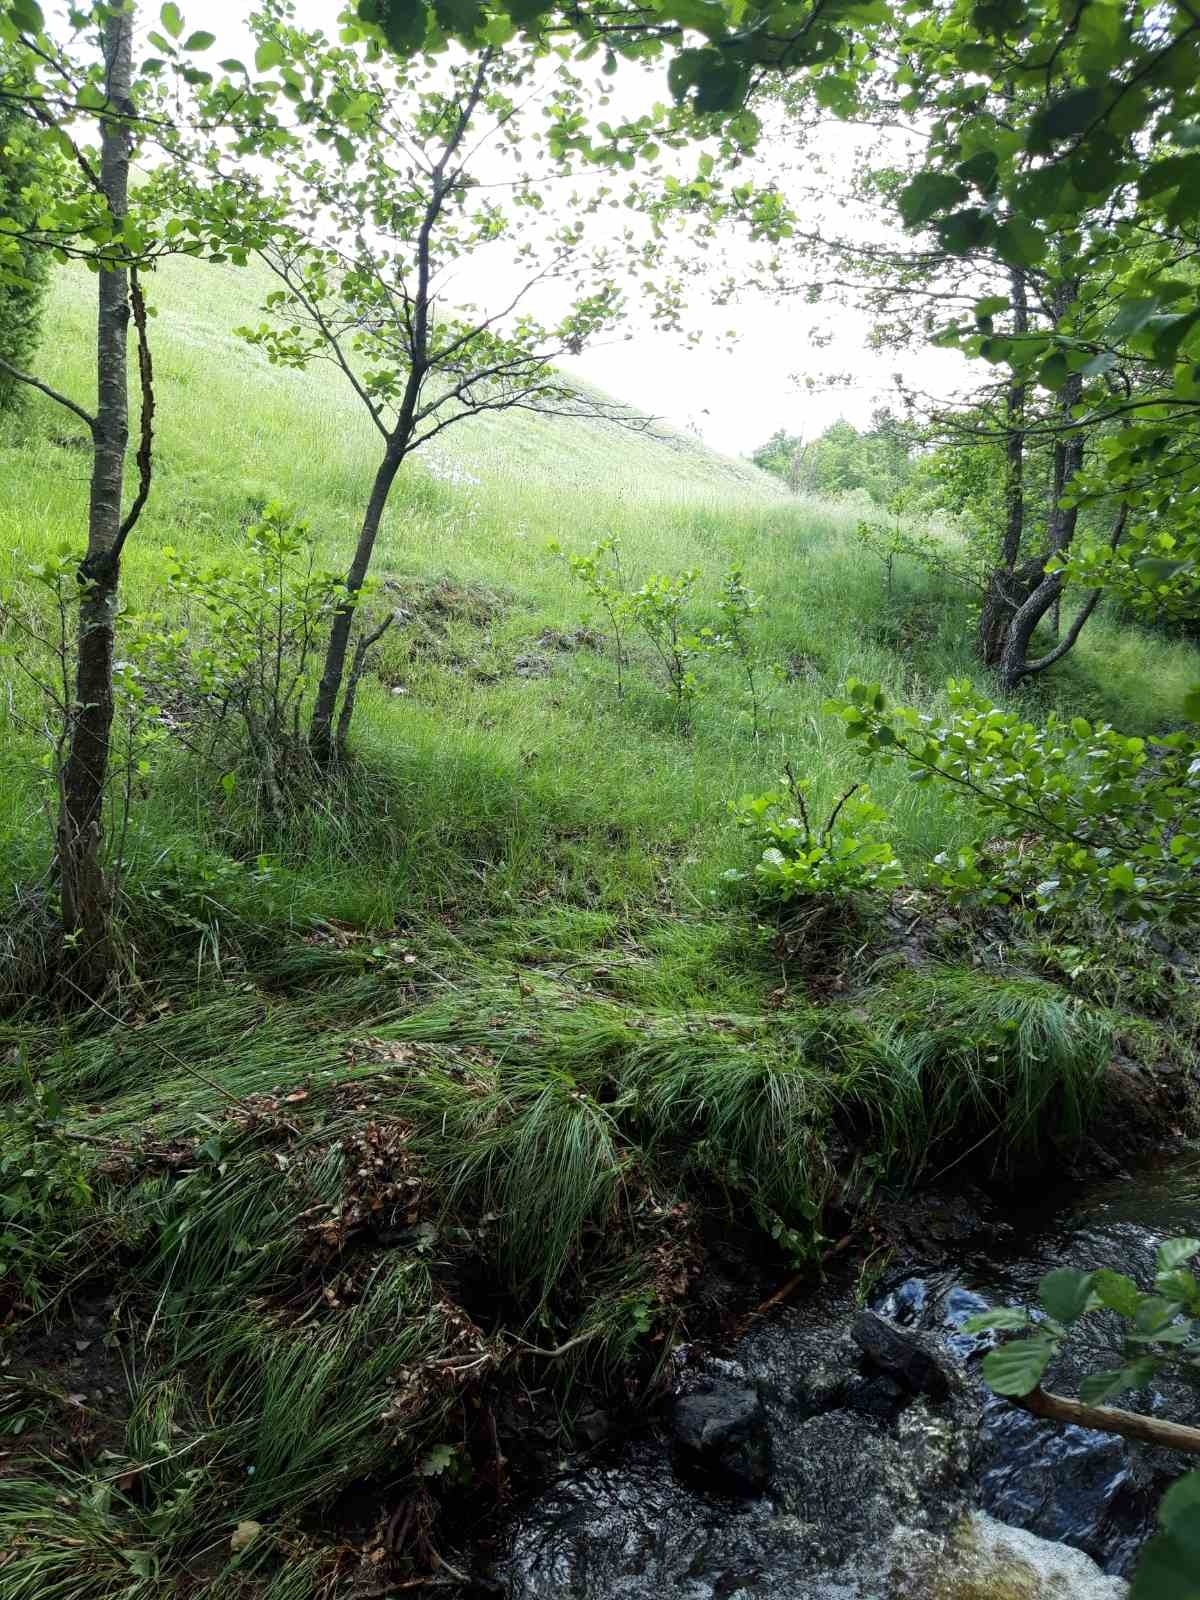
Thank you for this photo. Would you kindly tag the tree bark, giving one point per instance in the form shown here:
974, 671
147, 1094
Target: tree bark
84, 888
320, 733
1003, 595
1047, 594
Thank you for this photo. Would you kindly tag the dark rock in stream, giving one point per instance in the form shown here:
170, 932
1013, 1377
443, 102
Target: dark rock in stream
838, 1476
722, 1430
902, 1355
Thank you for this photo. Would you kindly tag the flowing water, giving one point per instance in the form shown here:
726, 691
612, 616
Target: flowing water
798, 1468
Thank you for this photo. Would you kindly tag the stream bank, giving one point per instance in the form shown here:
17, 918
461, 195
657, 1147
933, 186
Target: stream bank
844, 1451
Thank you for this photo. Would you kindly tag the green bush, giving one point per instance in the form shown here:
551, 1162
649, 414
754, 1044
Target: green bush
796, 860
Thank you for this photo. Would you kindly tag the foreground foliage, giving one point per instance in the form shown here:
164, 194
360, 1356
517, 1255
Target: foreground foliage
1149, 1332
348, 1227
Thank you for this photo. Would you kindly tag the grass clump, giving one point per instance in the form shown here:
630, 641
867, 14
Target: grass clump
953, 1054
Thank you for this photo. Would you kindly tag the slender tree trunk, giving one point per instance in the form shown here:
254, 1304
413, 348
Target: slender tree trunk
1003, 596
1047, 593
85, 891
320, 732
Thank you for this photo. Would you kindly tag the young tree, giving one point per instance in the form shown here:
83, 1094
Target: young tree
407, 190
86, 113
100, 192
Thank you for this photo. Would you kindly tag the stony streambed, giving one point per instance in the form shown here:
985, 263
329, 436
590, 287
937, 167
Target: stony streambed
849, 1451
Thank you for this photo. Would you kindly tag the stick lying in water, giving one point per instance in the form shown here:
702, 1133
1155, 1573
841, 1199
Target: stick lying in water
1110, 1419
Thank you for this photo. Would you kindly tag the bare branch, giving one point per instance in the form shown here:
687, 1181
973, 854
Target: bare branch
145, 457
53, 394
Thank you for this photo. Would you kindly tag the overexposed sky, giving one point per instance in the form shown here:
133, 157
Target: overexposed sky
789, 364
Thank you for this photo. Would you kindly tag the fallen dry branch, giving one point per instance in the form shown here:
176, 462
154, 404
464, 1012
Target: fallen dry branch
1110, 1419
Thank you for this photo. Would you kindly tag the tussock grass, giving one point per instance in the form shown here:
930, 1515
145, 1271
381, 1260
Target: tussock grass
952, 1053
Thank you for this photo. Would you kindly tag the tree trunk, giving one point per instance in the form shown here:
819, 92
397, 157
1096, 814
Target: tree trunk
320, 732
1046, 595
84, 888
1003, 595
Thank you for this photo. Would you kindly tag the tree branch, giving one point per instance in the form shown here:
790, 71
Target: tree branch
145, 457
53, 394
1110, 1419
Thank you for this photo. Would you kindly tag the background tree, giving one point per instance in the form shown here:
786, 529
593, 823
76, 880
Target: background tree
405, 190
92, 185
87, 113
23, 268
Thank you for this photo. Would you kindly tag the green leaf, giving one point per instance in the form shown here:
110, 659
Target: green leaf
1170, 335
1168, 1570
721, 84
1010, 1319
269, 54
1173, 1253
27, 16
1180, 1508
1132, 317
1017, 1367
1097, 366
980, 170
405, 24
929, 193
1117, 1292
171, 19
1067, 116
1020, 243
964, 231
991, 305
1065, 1293
1053, 372
199, 40
1098, 1387
460, 17
1191, 703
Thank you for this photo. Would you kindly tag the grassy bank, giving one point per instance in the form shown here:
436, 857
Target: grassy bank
414, 1122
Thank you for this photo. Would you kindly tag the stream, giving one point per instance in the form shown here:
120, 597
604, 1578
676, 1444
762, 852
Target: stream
844, 1451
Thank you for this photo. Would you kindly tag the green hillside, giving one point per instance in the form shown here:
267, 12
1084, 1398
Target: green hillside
537, 770
433, 1097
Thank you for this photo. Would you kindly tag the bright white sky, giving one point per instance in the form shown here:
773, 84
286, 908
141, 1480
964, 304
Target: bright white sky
791, 365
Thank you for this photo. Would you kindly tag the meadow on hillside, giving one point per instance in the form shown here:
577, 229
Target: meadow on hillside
511, 772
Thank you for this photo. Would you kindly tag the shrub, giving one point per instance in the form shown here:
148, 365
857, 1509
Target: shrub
659, 609
601, 574
23, 267
738, 605
43, 1177
848, 853
1088, 815
239, 682
1142, 1333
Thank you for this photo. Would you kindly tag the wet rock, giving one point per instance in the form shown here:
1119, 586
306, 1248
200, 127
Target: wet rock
1090, 1490
986, 1560
594, 1426
902, 1354
722, 1429
841, 1480
881, 1397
